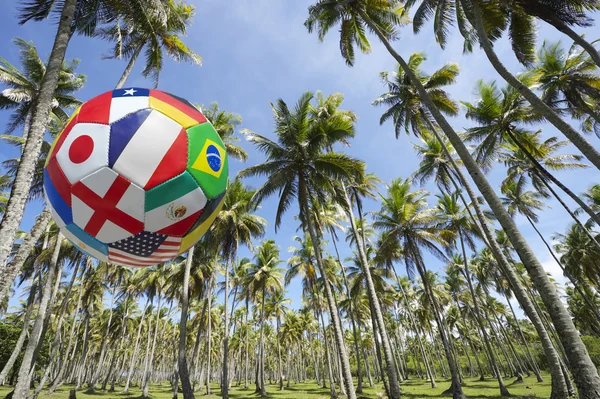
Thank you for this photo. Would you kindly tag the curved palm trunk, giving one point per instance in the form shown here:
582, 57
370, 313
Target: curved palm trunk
21, 340
577, 139
359, 387
29, 158
566, 29
22, 388
261, 365
129, 66
333, 310
486, 339
586, 374
188, 392
546, 174
374, 301
15, 265
319, 317
135, 349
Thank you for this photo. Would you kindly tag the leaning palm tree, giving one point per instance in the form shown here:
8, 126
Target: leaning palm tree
265, 278
156, 34
23, 87
382, 18
569, 83
234, 225
298, 167
409, 224
484, 22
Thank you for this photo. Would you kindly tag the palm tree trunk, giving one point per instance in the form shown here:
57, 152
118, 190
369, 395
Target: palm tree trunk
21, 340
188, 392
208, 333
135, 349
359, 387
13, 268
546, 174
333, 310
225, 377
261, 365
279, 359
578, 141
22, 388
486, 339
149, 363
587, 375
374, 301
246, 345
62, 365
96, 375
566, 29
332, 391
129, 66
56, 344
29, 158
559, 385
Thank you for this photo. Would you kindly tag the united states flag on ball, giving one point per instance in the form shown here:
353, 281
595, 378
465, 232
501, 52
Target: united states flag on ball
136, 177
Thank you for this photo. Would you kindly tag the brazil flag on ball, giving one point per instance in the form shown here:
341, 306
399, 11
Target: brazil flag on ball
207, 160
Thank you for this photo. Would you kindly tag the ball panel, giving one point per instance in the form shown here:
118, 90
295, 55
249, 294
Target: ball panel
59, 209
144, 249
141, 157
173, 163
58, 141
85, 242
55, 179
108, 206
207, 159
198, 231
87, 139
122, 131
96, 110
127, 101
176, 108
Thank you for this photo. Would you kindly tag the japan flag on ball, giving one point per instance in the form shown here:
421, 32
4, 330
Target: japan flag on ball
84, 151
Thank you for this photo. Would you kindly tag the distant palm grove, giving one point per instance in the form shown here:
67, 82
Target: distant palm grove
442, 295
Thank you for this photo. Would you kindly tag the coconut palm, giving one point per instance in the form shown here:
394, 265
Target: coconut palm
485, 22
407, 222
157, 35
265, 278
277, 307
569, 82
234, 225
500, 115
23, 87
299, 168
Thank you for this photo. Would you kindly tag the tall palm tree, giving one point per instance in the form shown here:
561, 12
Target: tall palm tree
23, 87
157, 35
277, 308
569, 82
382, 18
407, 222
298, 168
234, 225
500, 115
485, 22
265, 278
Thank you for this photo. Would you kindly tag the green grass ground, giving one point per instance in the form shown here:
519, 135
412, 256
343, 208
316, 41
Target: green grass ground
412, 389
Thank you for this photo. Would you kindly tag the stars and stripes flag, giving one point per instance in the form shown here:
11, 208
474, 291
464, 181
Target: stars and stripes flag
144, 249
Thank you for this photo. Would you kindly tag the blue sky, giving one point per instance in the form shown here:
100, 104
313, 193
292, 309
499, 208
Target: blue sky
256, 51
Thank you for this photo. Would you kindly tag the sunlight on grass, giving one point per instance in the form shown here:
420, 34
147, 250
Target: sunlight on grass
413, 389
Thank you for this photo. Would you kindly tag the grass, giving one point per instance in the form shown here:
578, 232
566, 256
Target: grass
412, 389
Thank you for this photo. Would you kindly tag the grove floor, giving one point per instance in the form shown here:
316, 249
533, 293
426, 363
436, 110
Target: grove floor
413, 389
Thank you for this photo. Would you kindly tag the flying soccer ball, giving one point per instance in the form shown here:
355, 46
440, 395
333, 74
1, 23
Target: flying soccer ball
136, 177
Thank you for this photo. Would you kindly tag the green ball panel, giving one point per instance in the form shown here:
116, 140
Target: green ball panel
207, 159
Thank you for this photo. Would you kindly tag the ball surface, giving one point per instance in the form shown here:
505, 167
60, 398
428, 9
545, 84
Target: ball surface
136, 177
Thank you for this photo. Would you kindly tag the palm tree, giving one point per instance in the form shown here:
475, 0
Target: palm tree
297, 167
234, 224
485, 22
569, 82
265, 278
407, 222
225, 124
23, 87
500, 114
156, 34
381, 18
439, 161
277, 307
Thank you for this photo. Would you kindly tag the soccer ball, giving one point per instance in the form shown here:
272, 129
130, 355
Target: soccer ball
136, 177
